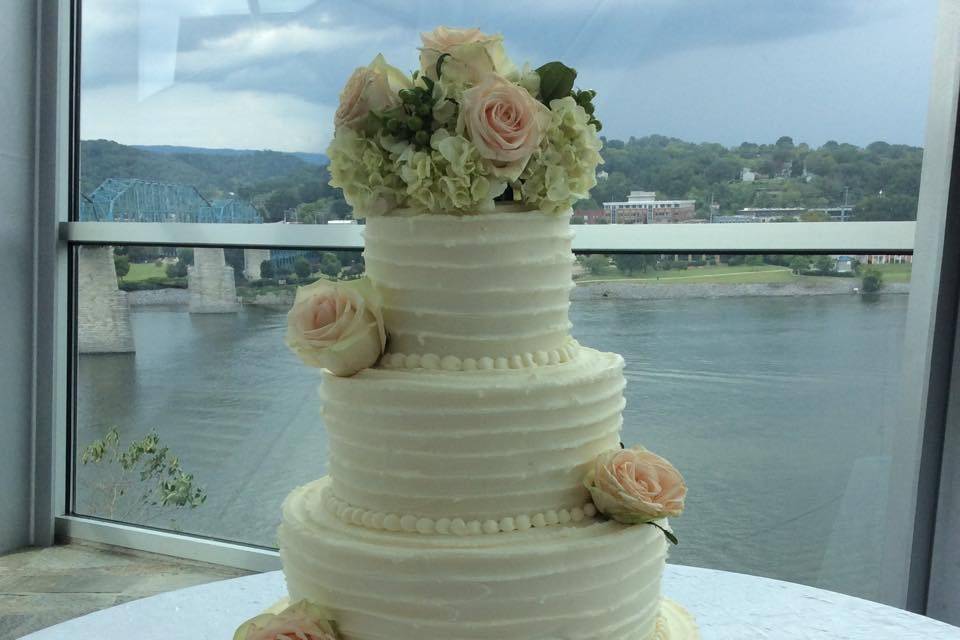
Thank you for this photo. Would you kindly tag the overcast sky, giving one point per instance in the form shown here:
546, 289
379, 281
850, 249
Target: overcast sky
265, 74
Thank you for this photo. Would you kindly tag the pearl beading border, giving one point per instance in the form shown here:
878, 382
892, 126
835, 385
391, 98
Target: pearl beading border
453, 363
451, 526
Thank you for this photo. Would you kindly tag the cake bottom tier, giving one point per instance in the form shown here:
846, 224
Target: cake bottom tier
593, 579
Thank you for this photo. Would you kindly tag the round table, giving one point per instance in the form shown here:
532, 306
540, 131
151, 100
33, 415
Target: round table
727, 606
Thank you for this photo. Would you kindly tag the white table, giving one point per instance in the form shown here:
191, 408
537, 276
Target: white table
728, 606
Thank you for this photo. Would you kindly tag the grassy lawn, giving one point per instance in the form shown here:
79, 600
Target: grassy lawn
742, 274
142, 271
894, 272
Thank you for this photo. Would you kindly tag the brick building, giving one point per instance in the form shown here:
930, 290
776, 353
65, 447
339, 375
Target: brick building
642, 207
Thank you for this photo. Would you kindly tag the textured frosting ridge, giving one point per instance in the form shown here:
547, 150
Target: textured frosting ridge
491, 285
594, 579
472, 445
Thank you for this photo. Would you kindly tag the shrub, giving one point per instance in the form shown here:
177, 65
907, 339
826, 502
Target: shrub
122, 265
872, 280
266, 269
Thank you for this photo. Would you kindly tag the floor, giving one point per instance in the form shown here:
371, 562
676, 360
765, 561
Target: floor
41, 587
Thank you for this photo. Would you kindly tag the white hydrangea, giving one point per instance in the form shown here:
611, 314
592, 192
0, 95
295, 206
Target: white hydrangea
451, 175
365, 172
564, 168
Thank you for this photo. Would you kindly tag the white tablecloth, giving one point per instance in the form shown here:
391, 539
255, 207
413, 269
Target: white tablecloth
728, 606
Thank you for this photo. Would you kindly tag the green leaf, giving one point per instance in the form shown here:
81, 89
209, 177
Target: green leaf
443, 56
669, 534
556, 81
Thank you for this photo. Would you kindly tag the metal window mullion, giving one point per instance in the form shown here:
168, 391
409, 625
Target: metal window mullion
917, 446
799, 237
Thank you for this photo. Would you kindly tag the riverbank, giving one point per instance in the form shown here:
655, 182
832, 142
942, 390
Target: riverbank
619, 289
674, 290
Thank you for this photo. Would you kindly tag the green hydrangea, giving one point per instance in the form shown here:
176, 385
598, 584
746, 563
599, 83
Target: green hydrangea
365, 171
451, 175
564, 168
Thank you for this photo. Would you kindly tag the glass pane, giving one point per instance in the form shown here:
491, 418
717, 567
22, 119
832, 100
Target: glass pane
812, 114
771, 377
772, 381
187, 344
776, 393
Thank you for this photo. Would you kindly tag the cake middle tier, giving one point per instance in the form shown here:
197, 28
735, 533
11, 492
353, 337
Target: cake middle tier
492, 285
480, 446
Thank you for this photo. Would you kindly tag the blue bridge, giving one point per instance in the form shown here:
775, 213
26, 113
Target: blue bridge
136, 200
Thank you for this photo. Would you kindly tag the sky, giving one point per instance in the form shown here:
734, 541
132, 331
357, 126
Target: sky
266, 74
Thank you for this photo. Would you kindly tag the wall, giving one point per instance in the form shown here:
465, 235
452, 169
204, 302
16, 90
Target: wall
17, 68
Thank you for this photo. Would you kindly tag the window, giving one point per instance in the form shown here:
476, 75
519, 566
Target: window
177, 100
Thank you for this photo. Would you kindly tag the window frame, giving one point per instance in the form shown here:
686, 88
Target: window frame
921, 445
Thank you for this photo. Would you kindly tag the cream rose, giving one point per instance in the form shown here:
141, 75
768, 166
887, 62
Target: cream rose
301, 621
635, 486
337, 326
504, 122
372, 88
472, 54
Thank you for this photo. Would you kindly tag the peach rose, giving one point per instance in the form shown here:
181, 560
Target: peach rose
301, 621
504, 122
337, 326
635, 486
372, 88
472, 54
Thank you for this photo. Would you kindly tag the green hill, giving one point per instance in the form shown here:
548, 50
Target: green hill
274, 181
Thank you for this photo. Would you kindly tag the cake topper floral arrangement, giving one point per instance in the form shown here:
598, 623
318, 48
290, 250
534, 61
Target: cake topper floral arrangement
466, 130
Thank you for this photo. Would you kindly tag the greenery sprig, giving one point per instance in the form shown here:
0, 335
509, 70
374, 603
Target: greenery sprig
556, 81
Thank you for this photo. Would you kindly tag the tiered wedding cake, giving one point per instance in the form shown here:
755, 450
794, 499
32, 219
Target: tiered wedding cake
477, 487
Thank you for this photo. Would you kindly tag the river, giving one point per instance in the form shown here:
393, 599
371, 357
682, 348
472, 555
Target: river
778, 410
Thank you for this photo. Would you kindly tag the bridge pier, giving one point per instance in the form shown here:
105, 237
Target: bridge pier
103, 312
211, 284
252, 259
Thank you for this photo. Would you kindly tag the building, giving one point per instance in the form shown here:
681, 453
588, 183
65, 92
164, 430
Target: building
769, 214
845, 264
642, 207
840, 213
592, 216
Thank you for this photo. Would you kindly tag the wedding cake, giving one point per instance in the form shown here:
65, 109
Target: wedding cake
477, 484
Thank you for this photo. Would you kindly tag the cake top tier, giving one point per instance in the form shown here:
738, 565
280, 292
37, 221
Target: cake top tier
481, 288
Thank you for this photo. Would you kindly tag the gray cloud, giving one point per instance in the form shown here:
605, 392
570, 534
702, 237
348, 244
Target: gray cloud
698, 69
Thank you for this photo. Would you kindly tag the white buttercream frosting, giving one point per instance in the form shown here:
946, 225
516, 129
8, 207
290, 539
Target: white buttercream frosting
494, 285
476, 445
593, 579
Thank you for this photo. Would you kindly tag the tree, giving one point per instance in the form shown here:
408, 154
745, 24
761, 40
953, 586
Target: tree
122, 265
596, 263
815, 216
825, 264
266, 269
177, 269
330, 265
753, 261
627, 263
185, 256
887, 207
799, 264
139, 479
301, 267
872, 280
